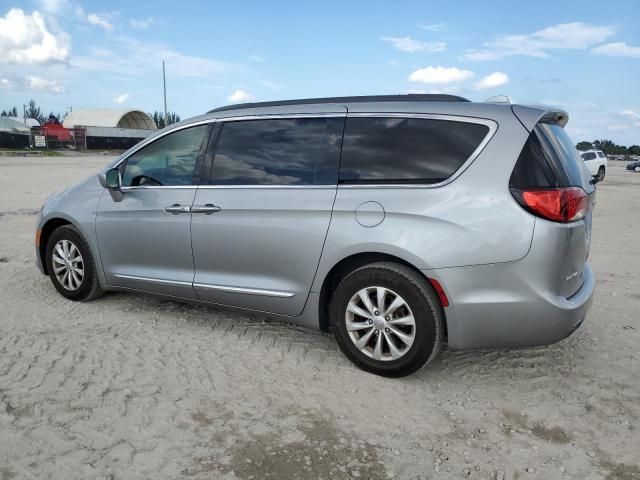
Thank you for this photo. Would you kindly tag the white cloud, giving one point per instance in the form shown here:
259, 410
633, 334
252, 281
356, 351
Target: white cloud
617, 49
410, 45
5, 82
576, 35
436, 27
633, 117
440, 75
53, 6
271, 85
141, 24
99, 21
240, 96
493, 80
26, 39
37, 83
133, 58
120, 99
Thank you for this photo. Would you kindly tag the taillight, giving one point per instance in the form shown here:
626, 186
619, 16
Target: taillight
564, 204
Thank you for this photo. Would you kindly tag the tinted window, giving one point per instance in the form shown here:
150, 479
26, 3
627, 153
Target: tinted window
588, 156
169, 161
549, 159
600, 154
295, 151
561, 154
387, 150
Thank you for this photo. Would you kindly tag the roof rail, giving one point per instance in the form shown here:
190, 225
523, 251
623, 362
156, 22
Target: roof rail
357, 99
499, 99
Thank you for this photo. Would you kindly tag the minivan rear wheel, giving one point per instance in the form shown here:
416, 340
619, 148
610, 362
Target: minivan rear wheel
387, 319
601, 174
71, 266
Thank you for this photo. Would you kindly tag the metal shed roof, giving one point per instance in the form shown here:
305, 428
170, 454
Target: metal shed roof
13, 125
109, 118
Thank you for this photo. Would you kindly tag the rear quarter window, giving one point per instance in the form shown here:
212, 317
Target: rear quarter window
588, 156
406, 150
549, 159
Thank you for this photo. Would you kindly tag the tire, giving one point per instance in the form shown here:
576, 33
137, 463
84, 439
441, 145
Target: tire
420, 303
637, 169
601, 173
68, 238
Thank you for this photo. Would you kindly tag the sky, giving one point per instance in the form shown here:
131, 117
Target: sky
581, 55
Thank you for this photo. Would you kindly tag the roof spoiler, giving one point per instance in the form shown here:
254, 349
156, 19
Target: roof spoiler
502, 99
529, 116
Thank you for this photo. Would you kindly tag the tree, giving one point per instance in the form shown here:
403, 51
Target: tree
12, 112
582, 146
158, 118
34, 111
634, 150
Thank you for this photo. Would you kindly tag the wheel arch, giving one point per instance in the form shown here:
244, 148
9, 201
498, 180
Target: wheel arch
45, 233
349, 264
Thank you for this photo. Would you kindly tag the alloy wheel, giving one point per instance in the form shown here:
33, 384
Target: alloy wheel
380, 323
68, 265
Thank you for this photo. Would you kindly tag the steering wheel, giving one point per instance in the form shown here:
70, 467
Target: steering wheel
141, 180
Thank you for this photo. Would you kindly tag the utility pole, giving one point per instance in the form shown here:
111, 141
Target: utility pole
24, 114
164, 84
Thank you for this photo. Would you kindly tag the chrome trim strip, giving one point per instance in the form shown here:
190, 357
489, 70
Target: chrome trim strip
268, 187
208, 187
152, 280
153, 187
491, 124
283, 116
248, 291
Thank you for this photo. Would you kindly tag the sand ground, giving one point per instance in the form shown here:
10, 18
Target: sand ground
132, 387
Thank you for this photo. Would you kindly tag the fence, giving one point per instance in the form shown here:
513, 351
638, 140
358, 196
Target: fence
58, 137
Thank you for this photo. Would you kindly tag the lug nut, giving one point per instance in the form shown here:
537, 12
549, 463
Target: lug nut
387, 330
387, 318
370, 321
377, 332
376, 312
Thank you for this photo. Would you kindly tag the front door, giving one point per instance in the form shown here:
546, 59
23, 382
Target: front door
145, 239
259, 226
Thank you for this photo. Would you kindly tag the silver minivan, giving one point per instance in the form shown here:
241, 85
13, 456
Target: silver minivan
397, 222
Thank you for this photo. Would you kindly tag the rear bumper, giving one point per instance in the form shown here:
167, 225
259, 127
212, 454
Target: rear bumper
502, 306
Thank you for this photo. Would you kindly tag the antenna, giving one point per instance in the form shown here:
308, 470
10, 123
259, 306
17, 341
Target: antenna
164, 84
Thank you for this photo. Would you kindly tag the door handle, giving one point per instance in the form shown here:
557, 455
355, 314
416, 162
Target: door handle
207, 209
176, 209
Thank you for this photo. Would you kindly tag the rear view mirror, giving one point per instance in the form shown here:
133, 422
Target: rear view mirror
112, 179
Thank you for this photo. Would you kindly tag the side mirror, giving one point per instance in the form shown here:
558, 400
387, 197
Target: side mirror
112, 179
112, 182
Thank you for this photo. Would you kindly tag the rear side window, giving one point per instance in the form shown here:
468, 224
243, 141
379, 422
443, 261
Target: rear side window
293, 151
600, 154
588, 156
406, 150
549, 159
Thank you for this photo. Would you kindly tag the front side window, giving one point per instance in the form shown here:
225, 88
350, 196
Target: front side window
291, 151
169, 161
406, 150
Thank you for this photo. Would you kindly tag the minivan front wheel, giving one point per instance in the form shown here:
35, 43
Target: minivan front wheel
387, 319
71, 266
